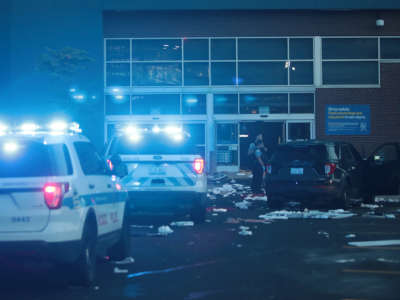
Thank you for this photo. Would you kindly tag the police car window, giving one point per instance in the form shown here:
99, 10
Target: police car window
89, 159
30, 159
62, 159
152, 144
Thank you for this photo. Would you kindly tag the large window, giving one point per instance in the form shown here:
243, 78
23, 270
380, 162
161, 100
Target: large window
350, 61
263, 103
156, 104
118, 104
227, 140
225, 103
193, 104
390, 48
301, 103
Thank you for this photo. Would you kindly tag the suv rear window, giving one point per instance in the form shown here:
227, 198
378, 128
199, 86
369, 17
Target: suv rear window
309, 153
152, 144
35, 159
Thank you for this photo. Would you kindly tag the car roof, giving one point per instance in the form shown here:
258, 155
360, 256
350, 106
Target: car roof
312, 142
47, 136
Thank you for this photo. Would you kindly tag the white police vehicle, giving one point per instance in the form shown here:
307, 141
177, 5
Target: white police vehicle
58, 201
163, 174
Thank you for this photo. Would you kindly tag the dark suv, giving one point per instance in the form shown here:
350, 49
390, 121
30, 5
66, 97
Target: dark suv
383, 171
315, 172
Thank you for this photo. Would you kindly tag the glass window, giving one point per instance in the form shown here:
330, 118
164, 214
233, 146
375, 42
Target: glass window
227, 133
225, 103
262, 73
390, 48
196, 73
157, 49
302, 73
160, 104
118, 74
349, 48
198, 137
298, 131
157, 74
350, 72
262, 48
118, 50
226, 156
90, 160
194, 103
223, 73
117, 105
223, 49
301, 103
301, 48
195, 49
264, 103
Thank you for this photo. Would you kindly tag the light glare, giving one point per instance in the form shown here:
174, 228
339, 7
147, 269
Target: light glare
10, 147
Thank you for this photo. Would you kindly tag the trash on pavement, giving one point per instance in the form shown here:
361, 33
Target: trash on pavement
243, 204
125, 261
120, 271
392, 261
142, 226
370, 206
165, 230
244, 230
182, 223
208, 221
324, 233
220, 210
375, 215
350, 236
343, 261
257, 198
214, 215
387, 199
375, 243
96, 287
307, 214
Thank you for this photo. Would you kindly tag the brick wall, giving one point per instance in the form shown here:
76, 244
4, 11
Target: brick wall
385, 109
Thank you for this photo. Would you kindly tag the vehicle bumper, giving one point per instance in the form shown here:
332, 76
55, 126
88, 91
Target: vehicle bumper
62, 252
304, 192
164, 202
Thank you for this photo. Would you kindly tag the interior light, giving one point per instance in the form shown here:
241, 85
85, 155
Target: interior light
191, 101
115, 90
173, 129
119, 97
79, 97
72, 90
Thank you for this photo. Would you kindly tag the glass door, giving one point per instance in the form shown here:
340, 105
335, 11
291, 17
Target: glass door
299, 130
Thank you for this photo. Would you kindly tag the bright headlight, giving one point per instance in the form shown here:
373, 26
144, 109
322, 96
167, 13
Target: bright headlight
173, 129
10, 147
29, 127
58, 126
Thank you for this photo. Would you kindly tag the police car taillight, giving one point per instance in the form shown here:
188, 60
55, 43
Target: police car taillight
329, 169
53, 195
198, 165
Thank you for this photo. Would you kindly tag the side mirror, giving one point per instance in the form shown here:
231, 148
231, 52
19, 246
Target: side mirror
116, 166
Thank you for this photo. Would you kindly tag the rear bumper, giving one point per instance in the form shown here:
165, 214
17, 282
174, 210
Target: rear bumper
164, 202
306, 192
63, 252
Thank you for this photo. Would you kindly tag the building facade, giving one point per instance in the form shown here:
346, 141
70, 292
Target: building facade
229, 75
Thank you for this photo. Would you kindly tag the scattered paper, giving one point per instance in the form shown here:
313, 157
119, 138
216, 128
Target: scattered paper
96, 288
370, 206
378, 215
182, 223
306, 214
125, 261
243, 204
350, 236
387, 199
343, 261
392, 261
142, 226
220, 210
214, 215
208, 221
120, 271
375, 243
165, 230
245, 230
256, 198
324, 233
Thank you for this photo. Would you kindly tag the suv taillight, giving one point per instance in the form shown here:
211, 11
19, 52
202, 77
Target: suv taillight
53, 195
268, 168
198, 165
330, 169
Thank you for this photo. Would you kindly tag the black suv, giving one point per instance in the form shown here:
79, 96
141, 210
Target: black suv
315, 172
383, 171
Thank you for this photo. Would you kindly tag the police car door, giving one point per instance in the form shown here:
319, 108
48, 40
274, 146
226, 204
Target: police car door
99, 189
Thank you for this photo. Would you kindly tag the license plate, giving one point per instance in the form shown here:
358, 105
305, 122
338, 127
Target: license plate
296, 171
157, 171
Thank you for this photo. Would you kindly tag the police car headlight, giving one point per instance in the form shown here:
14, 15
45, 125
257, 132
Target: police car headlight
10, 147
173, 130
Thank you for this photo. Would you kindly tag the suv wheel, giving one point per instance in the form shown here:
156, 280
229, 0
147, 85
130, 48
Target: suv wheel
84, 269
121, 249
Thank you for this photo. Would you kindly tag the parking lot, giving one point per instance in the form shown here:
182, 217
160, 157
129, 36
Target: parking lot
296, 253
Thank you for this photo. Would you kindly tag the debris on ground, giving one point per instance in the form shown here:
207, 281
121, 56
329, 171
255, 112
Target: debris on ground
208, 221
245, 230
216, 177
370, 206
211, 197
253, 197
243, 204
324, 233
350, 236
125, 261
233, 181
142, 226
225, 191
239, 220
388, 199
374, 214
120, 271
375, 243
165, 230
220, 210
307, 214
239, 245
344, 261
96, 287
215, 214
182, 223
384, 260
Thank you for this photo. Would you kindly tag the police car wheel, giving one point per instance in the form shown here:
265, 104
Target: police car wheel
121, 249
85, 266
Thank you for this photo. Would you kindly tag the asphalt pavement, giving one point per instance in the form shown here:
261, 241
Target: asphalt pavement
236, 254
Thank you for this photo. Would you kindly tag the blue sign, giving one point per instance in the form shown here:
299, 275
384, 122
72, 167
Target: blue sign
348, 120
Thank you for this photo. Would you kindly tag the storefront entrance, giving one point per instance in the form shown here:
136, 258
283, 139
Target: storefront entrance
273, 134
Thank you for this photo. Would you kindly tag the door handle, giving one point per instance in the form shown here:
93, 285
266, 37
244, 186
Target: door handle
91, 186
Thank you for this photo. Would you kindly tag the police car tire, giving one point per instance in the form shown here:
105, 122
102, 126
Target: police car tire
84, 269
121, 249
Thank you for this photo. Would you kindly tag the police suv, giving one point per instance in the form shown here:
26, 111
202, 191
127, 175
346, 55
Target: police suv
160, 170
58, 200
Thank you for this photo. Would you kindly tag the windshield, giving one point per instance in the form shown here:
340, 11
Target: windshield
309, 153
152, 144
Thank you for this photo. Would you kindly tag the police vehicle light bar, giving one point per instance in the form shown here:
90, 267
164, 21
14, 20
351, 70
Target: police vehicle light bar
57, 127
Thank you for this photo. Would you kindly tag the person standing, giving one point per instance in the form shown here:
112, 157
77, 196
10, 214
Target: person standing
258, 168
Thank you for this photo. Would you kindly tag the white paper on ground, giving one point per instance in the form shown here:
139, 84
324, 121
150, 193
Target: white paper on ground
343, 261
125, 261
375, 243
324, 233
243, 205
120, 271
350, 236
256, 198
392, 261
165, 230
307, 214
388, 199
220, 210
182, 223
370, 206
